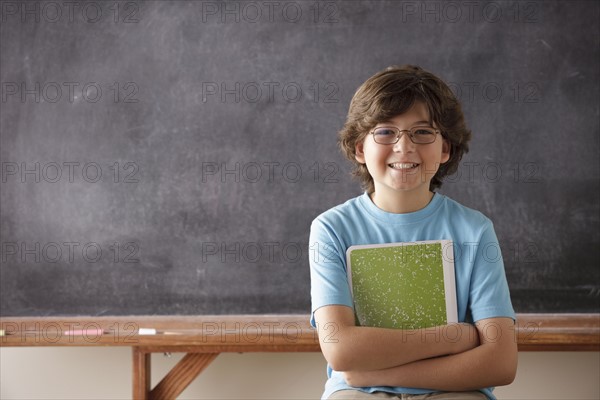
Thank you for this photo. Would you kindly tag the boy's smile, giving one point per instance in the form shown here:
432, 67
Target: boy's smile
402, 171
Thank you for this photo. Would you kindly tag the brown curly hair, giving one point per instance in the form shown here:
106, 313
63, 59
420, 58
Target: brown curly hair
392, 92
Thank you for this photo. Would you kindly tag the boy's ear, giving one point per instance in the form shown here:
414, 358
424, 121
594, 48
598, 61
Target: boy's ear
445, 151
359, 153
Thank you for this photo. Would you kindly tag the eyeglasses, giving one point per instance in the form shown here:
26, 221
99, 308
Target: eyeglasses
392, 135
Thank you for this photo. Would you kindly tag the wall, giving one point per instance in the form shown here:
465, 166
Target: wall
92, 373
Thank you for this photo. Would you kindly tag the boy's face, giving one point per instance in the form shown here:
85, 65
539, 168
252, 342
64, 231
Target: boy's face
404, 168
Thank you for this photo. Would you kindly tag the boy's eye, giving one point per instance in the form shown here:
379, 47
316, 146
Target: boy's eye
423, 131
384, 132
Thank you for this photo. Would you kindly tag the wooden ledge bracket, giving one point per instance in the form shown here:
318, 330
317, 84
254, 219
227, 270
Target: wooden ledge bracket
175, 382
141, 374
186, 370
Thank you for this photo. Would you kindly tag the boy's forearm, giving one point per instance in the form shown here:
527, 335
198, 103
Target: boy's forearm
459, 372
491, 364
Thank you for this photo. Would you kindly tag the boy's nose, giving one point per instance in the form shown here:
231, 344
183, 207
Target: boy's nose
404, 145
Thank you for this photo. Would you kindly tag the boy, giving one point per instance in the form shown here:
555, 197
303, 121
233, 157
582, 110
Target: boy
404, 132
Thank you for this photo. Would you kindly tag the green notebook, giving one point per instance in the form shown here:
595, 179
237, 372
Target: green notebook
403, 285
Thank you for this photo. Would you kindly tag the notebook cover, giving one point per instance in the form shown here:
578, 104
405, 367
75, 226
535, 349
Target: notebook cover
403, 285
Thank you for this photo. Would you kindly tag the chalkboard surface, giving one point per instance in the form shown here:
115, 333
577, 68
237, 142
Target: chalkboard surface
168, 157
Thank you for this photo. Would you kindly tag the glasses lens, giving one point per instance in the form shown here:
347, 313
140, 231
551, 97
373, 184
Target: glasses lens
423, 135
384, 135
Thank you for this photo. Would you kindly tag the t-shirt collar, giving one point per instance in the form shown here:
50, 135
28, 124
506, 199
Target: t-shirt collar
406, 218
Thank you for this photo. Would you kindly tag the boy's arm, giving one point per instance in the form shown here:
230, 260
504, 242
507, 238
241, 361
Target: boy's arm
348, 347
493, 363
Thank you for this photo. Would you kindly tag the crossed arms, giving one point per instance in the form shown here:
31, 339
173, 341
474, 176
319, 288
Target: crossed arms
455, 357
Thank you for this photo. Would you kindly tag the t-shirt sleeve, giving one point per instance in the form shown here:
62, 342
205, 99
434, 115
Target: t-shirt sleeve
328, 280
489, 296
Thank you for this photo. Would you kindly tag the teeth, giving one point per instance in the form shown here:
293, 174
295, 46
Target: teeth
403, 165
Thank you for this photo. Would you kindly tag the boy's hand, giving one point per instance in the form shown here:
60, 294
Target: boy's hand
467, 337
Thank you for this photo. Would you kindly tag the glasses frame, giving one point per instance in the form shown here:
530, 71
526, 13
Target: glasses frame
400, 133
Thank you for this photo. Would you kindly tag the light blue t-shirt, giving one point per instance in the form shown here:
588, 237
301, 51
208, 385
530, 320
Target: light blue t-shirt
481, 287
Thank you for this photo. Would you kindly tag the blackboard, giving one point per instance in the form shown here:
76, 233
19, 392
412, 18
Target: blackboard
168, 157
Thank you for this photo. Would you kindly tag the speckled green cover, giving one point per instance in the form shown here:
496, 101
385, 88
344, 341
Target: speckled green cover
402, 285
